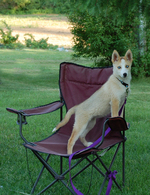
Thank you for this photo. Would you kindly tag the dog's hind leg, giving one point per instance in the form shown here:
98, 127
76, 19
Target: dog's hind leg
88, 128
76, 132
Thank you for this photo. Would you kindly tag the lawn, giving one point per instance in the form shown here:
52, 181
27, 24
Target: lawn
29, 78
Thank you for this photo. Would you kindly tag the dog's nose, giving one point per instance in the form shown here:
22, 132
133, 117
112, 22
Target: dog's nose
124, 74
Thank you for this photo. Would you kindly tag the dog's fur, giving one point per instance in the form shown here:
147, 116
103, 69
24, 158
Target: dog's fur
109, 98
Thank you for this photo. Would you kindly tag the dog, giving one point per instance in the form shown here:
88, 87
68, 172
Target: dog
108, 99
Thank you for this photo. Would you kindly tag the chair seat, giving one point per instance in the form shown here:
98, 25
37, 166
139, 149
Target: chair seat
57, 144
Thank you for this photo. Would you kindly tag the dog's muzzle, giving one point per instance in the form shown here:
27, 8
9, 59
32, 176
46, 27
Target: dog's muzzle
124, 75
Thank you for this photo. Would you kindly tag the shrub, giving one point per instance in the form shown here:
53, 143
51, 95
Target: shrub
98, 36
38, 44
10, 42
32, 6
6, 36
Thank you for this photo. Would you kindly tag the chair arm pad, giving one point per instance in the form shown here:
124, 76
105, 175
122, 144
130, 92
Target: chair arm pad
38, 110
118, 124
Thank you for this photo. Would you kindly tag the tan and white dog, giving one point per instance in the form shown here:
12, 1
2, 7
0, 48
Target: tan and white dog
109, 98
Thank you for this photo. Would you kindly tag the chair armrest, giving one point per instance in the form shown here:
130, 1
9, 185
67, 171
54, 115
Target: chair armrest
38, 110
118, 124
33, 111
115, 124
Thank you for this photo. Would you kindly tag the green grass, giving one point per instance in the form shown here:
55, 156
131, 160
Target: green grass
29, 78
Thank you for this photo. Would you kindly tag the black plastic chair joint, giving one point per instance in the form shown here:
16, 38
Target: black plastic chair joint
23, 121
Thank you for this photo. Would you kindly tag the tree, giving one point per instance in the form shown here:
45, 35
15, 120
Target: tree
99, 26
98, 36
120, 10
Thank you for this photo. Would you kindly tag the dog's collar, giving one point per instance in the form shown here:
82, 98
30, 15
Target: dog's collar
123, 83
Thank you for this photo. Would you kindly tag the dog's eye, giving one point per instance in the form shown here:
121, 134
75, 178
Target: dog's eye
119, 67
127, 66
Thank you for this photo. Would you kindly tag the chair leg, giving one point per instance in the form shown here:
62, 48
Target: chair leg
113, 162
102, 186
109, 169
61, 164
56, 176
123, 164
36, 182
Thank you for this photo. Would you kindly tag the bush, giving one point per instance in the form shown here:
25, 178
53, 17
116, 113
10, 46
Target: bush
98, 36
6, 36
17, 45
10, 42
39, 44
32, 6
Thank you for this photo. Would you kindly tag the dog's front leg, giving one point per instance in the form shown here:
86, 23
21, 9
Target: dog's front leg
90, 125
114, 107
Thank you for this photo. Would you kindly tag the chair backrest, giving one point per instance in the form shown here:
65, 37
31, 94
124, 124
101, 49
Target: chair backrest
77, 83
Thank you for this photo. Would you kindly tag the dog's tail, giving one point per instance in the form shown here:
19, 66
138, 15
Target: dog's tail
68, 115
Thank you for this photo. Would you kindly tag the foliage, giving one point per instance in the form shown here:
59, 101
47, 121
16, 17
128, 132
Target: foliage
98, 29
97, 36
17, 45
145, 56
40, 44
94, 7
10, 42
120, 9
31, 6
6, 36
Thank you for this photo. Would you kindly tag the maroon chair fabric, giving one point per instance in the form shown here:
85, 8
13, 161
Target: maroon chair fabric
38, 110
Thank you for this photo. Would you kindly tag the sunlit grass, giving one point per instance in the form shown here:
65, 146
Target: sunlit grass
33, 21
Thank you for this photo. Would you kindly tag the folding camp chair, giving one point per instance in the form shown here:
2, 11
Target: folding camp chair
77, 83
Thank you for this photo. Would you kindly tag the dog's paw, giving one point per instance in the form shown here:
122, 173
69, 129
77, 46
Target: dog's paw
69, 151
89, 143
54, 129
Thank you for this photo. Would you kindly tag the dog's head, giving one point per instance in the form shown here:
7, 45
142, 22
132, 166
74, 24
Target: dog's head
122, 65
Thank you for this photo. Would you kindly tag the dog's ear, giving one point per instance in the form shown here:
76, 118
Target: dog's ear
128, 55
115, 56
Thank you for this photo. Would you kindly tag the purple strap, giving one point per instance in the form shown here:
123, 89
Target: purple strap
92, 145
112, 176
71, 156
